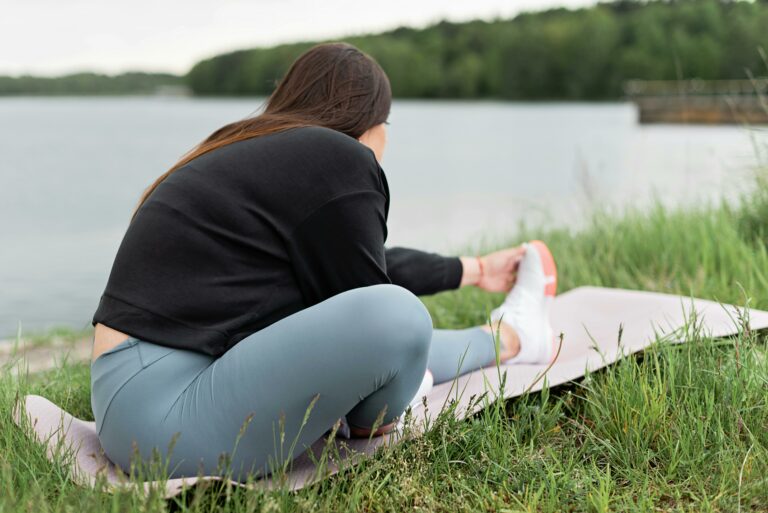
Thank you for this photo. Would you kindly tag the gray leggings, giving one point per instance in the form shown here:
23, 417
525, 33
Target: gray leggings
362, 350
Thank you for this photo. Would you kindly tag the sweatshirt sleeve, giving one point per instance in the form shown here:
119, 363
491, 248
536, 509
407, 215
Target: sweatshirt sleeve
421, 272
340, 246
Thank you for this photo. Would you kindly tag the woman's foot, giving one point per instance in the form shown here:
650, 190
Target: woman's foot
526, 307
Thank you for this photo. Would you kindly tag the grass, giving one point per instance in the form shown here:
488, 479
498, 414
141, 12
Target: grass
678, 428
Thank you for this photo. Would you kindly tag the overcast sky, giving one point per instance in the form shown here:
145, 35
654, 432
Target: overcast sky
53, 37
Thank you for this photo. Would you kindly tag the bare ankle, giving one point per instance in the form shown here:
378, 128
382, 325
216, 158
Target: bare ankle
510, 341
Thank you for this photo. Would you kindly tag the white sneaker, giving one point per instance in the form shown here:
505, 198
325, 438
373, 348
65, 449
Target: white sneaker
424, 389
526, 308
426, 386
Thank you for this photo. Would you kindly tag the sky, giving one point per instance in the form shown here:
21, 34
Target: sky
55, 37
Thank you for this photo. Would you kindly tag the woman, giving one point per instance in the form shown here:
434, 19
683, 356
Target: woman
253, 282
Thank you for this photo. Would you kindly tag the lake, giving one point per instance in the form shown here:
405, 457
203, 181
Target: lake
72, 170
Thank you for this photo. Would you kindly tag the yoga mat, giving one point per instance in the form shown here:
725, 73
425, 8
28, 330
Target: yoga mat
591, 320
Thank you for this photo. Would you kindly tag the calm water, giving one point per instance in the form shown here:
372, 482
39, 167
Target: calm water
72, 169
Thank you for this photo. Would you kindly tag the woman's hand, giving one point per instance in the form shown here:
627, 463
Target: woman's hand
497, 271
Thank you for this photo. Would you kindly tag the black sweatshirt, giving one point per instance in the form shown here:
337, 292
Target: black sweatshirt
254, 231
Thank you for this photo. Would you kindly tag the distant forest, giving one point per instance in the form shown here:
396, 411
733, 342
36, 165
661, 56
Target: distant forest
582, 54
90, 84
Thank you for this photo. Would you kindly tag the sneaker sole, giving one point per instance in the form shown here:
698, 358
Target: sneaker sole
550, 271
548, 263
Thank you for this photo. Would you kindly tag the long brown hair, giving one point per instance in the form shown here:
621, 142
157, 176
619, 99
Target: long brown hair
334, 85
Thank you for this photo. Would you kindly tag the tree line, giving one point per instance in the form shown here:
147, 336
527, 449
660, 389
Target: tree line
87, 83
580, 54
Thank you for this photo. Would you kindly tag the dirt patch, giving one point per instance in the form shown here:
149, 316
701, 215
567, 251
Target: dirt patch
37, 357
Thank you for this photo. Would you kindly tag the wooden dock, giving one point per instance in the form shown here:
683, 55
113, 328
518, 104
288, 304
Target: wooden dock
700, 101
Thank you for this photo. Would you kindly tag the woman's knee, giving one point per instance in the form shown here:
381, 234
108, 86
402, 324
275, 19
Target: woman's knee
393, 315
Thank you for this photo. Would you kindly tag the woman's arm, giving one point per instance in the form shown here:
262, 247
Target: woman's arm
340, 246
423, 272
426, 273
472, 270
